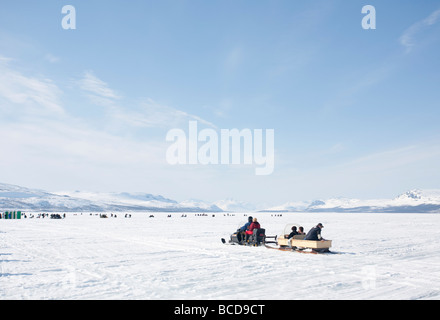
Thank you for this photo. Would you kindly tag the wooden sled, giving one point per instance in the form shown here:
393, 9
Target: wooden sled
297, 243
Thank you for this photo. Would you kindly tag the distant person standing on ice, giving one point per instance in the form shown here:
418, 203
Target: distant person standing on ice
315, 233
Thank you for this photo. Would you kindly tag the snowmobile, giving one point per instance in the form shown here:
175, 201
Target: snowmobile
298, 244
257, 238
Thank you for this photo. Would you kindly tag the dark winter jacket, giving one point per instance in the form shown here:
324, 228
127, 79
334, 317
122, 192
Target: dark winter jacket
292, 234
314, 234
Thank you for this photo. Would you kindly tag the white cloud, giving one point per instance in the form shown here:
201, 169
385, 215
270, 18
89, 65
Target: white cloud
162, 115
408, 38
70, 141
47, 145
151, 114
147, 113
70, 154
35, 95
98, 90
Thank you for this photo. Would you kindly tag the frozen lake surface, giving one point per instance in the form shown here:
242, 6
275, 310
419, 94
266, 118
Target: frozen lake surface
382, 256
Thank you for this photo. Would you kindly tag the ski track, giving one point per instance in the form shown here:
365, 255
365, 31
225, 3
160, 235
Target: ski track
85, 257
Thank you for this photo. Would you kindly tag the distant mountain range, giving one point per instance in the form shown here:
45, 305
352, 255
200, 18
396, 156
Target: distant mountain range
415, 201
19, 198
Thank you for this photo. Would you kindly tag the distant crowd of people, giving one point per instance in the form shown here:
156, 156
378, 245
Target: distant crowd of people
44, 215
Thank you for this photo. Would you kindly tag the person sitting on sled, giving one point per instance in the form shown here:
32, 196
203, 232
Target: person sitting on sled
293, 233
315, 233
301, 231
254, 225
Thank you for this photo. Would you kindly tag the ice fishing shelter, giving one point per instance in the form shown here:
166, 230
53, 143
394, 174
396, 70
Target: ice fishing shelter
11, 215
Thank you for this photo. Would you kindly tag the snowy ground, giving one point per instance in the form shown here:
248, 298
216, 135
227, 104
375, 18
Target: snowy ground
383, 256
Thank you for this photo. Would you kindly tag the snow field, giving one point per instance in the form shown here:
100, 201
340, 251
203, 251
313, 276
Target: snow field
382, 256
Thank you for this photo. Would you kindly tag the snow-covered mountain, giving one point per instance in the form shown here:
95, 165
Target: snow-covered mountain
19, 198
298, 206
414, 201
235, 206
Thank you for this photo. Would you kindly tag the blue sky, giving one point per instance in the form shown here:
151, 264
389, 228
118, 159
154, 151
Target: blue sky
355, 111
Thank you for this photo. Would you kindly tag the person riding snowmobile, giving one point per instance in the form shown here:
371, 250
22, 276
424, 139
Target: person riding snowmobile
241, 232
254, 225
246, 226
